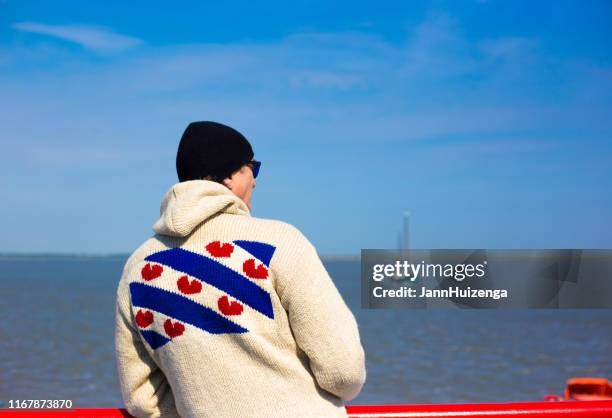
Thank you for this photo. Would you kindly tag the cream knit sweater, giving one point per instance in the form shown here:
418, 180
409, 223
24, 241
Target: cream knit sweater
221, 314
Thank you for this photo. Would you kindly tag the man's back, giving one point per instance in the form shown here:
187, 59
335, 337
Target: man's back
225, 315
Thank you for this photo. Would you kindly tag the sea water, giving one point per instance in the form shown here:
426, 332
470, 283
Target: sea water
57, 323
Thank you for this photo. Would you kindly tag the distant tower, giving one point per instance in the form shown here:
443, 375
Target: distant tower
406, 231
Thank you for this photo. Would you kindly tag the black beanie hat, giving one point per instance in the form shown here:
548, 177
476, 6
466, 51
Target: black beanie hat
211, 149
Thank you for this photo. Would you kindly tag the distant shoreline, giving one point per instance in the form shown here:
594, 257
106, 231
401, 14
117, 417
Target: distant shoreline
69, 256
62, 256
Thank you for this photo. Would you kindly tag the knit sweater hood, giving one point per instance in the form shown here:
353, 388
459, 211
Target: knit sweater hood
186, 205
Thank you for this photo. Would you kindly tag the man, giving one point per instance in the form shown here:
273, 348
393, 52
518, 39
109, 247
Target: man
222, 314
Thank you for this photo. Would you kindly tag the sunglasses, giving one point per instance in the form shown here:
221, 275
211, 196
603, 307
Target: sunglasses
255, 165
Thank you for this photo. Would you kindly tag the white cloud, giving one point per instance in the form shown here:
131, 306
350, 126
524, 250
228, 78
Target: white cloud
325, 79
94, 38
508, 47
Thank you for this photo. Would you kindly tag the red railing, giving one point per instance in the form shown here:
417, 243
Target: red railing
590, 409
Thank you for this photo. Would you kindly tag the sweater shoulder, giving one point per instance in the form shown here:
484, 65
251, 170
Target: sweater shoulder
151, 245
286, 235
285, 238
274, 225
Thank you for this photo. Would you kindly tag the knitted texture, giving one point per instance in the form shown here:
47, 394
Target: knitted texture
221, 314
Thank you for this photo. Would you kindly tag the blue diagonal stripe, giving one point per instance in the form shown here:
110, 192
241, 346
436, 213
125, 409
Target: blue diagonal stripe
182, 309
261, 250
154, 339
217, 275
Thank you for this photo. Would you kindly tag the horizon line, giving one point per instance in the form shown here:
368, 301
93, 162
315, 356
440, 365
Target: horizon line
8, 255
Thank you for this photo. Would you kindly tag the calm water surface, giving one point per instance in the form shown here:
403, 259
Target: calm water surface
56, 341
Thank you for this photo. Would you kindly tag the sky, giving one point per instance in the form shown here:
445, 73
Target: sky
490, 121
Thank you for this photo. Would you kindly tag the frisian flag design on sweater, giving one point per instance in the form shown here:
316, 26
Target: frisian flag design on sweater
171, 287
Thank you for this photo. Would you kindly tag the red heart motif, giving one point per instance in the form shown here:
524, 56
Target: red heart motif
228, 308
187, 287
173, 330
144, 319
151, 272
217, 250
261, 272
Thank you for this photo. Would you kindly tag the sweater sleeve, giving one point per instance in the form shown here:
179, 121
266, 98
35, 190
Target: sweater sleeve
144, 388
323, 326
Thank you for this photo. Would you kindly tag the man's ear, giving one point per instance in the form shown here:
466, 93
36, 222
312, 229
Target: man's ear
228, 182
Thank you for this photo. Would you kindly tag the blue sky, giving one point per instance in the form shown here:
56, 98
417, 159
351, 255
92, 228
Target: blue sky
489, 121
